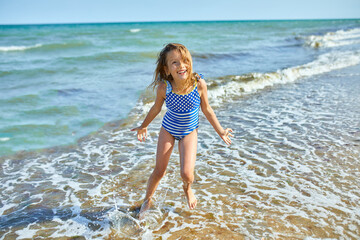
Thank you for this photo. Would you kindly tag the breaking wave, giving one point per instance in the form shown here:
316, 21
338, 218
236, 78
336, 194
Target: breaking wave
333, 39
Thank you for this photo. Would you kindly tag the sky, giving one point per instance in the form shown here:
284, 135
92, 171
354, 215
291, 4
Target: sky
93, 11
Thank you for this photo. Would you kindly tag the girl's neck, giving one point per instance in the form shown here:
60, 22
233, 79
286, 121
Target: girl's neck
180, 87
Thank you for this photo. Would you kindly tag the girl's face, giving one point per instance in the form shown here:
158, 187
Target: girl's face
177, 66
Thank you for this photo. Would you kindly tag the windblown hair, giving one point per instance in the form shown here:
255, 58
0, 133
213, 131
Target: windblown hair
160, 74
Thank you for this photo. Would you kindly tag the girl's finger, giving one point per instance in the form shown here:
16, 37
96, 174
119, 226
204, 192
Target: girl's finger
144, 137
229, 140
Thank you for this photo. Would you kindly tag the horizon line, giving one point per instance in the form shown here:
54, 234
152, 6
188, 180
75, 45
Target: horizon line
176, 21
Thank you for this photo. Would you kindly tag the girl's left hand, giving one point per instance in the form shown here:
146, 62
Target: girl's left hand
226, 136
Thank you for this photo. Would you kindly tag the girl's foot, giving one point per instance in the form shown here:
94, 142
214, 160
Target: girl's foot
144, 207
190, 196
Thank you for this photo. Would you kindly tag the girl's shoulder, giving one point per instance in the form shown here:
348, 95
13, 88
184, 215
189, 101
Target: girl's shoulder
162, 84
161, 89
201, 86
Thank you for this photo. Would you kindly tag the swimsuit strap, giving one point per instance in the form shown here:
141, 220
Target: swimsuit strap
201, 76
168, 87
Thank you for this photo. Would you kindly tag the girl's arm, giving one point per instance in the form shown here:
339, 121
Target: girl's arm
210, 115
154, 111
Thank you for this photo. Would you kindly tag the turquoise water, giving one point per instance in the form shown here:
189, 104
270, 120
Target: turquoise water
290, 90
62, 82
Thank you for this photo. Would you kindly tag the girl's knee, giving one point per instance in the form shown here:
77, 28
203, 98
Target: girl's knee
187, 176
159, 173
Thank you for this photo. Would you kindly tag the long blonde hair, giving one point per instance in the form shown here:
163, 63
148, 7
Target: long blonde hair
160, 74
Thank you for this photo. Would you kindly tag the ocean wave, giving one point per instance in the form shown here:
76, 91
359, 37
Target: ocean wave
112, 56
65, 45
220, 55
31, 72
333, 39
135, 30
252, 82
45, 47
18, 48
52, 111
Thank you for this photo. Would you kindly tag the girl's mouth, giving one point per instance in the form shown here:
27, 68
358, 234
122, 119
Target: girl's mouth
182, 72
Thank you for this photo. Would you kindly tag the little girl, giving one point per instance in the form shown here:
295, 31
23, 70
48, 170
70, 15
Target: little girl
184, 92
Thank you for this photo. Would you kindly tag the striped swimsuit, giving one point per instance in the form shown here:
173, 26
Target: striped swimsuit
182, 116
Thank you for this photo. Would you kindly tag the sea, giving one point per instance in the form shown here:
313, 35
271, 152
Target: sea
70, 168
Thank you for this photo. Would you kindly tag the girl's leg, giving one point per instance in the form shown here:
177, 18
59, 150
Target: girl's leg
187, 150
164, 148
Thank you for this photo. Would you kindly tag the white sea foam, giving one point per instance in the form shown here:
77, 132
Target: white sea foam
18, 48
135, 30
334, 39
27, 232
4, 139
6, 207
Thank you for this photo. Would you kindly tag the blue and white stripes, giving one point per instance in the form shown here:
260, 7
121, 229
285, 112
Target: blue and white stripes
182, 116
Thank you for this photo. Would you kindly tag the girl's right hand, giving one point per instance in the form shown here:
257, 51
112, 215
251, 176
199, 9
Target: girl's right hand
141, 133
226, 136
